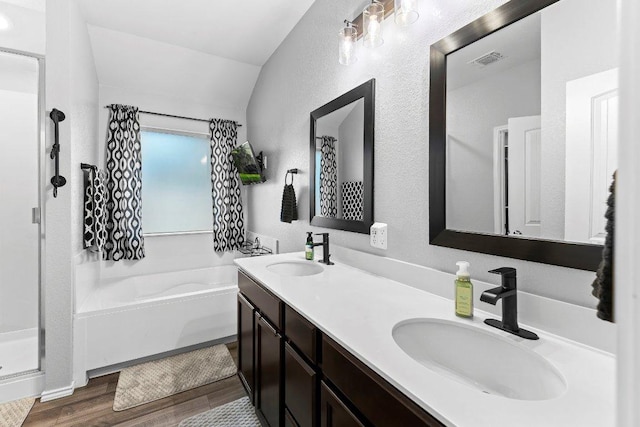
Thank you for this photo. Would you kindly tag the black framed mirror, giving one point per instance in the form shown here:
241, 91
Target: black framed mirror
521, 183
341, 161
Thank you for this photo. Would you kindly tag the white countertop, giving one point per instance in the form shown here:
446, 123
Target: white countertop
359, 310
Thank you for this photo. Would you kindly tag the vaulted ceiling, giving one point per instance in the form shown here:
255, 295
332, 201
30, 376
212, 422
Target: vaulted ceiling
206, 51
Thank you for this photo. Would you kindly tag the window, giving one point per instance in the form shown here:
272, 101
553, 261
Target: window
176, 182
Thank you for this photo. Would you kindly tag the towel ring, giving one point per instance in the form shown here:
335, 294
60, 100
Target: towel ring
290, 171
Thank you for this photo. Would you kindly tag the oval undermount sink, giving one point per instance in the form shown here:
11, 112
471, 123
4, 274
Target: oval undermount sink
293, 268
487, 362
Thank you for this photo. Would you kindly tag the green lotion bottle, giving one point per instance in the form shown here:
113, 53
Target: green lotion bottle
308, 247
464, 291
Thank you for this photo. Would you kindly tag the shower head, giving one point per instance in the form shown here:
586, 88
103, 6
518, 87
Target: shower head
57, 115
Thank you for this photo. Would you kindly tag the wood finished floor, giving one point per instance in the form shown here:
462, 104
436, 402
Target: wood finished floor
93, 405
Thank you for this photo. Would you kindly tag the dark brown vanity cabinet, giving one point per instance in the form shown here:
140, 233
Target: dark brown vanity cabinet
268, 358
334, 412
260, 349
297, 377
246, 331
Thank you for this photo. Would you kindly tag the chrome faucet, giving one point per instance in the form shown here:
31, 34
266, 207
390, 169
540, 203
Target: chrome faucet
325, 248
509, 296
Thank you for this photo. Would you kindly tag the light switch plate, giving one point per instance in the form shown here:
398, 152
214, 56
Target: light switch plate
378, 235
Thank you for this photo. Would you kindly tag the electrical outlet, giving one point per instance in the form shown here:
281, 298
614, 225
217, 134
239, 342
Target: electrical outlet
378, 235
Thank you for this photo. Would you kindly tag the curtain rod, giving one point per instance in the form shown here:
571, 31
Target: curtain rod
177, 117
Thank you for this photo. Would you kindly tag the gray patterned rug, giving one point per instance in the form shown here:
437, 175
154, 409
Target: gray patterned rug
238, 413
13, 414
155, 380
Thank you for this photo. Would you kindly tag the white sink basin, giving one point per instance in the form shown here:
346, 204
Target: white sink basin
293, 268
483, 360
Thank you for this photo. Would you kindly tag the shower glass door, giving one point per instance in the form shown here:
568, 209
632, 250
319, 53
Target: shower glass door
19, 214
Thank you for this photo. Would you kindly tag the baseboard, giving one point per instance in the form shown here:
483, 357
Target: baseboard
93, 373
58, 393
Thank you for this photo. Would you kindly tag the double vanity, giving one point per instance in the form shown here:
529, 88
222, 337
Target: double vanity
338, 346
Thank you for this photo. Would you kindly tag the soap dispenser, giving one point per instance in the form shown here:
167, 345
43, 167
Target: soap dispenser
464, 291
308, 247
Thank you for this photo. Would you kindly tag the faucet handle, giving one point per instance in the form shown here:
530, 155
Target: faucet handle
508, 277
504, 271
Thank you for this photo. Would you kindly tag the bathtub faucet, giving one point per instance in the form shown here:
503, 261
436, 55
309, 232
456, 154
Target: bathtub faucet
325, 248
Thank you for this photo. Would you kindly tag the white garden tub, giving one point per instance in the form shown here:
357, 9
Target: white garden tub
135, 317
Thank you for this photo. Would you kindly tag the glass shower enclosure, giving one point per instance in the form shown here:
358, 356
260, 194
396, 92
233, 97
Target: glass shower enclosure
21, 233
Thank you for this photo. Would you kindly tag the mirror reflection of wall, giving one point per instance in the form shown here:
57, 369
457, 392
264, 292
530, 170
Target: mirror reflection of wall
532, 126
339, 163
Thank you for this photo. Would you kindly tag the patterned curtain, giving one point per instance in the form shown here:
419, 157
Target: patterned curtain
328, 178
228, 219
124, 184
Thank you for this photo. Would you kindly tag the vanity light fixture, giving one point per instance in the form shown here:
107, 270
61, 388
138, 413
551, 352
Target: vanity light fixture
347, 38
372, 17
406, 12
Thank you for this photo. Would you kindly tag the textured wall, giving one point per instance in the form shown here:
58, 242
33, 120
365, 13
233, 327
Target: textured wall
304, 74
71, 87
58, 286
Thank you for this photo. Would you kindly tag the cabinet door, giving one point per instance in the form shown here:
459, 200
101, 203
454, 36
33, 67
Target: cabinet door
288, 420
300, 385
333, 412
246, 329
268, 373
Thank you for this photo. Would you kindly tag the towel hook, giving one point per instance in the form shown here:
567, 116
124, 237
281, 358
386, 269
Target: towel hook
292, 172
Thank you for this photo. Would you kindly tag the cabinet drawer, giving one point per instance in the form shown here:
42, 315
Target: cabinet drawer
300, 385
302, 333
377, 400
265, 303
333, 412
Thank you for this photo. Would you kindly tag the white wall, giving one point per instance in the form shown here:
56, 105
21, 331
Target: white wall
568, 52
351, 138
27, 20
19, 258
71, 86
627, 251
19, 104
514, 92
179, 252
304, 74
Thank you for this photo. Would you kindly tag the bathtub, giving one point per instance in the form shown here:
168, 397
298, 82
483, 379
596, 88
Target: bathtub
126, 319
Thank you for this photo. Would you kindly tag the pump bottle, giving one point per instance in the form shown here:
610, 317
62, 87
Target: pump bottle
308, 247
464, 291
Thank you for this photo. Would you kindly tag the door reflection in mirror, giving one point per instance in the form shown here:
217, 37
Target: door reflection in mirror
532, 126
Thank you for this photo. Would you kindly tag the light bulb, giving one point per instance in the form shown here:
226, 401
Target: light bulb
373, 28
5, 24
347, 45
372, 17
406, 12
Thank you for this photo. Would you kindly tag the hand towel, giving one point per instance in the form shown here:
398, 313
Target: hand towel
603, 284
95, 231
289, 210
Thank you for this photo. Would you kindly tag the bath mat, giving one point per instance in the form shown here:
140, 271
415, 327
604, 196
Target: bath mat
155, 380
238, 413
13, 414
